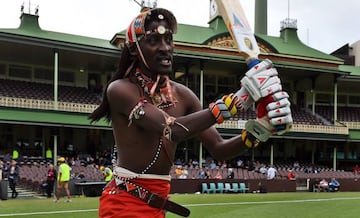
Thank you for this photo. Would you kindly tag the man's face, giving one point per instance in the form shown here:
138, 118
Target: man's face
157, 48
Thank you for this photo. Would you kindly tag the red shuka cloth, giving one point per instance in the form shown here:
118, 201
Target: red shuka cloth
126, 205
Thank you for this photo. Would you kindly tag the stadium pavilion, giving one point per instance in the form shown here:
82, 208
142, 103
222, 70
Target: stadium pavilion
51, 81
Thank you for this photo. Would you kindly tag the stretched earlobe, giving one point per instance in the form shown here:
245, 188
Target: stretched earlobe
132, 49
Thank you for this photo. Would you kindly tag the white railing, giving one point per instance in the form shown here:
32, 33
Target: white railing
344, 130
46, 104
228, 124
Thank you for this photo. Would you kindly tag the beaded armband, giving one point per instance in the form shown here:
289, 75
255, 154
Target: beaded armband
249, 140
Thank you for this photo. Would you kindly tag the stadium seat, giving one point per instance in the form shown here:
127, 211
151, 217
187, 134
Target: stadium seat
205, 188
228, 187
235, 187
212, 188
220, 187
243, 188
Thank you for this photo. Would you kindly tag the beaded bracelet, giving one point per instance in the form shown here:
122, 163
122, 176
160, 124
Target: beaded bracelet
249, 140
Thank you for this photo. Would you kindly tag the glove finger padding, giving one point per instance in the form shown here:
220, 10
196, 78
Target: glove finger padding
277, 120
279, 113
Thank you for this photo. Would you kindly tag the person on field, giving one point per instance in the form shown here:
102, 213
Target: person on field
63, 180
50, 180
151, 114
13, 177
107, 172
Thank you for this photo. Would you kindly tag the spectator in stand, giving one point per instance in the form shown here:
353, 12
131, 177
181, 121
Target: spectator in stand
213, 165
202, 174
48, 155
296, 165
15, 154
185, 172
50, 180
7, 158
190, 164
77, 161
223, 164
263, 169
231, 173
257, 166
291, 175
218, 175
178, 171
271, 173
356, 169
250, 165
178, 162
208, 173
195, 163
239, 163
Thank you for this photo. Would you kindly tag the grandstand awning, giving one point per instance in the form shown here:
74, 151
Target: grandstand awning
354, 135
49, 118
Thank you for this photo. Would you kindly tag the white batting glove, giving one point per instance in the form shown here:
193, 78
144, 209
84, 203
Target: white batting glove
260, 81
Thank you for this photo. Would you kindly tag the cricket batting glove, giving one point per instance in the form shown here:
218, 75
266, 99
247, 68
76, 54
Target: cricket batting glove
260, 81
273, 117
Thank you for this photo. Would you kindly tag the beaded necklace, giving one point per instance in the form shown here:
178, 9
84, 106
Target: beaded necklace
160, 94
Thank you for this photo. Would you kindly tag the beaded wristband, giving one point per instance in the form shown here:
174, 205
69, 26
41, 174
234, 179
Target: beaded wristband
219, 111
231, 101
249, 140
216, 112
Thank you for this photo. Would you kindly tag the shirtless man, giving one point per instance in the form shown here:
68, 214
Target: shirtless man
150, 114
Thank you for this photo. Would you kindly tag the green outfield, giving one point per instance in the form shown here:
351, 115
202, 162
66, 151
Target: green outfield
270, 205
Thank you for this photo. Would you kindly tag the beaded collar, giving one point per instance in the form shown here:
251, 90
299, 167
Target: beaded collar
160, 94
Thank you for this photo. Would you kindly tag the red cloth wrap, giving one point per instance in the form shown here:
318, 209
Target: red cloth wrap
124, 205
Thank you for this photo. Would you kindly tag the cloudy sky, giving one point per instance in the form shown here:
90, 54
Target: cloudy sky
325, 25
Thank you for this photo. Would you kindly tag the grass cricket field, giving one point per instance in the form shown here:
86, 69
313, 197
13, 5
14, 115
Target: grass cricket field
269, 205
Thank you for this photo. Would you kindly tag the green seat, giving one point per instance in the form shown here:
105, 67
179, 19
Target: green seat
220, 187
205, 188
235, 187
243, 188
228, 187
212, 188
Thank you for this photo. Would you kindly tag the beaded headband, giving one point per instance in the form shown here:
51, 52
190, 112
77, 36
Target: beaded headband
136, 29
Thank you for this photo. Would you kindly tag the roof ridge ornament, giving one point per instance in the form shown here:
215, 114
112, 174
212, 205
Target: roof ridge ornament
28, 7
288, 23
147, 4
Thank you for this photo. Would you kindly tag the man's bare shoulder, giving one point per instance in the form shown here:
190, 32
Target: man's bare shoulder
187, 96
178, 87
121, 87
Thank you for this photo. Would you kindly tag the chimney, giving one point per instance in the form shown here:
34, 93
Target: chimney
261, 17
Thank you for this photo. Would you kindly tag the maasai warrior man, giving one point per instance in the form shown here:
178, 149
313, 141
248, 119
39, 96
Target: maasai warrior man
150, 114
